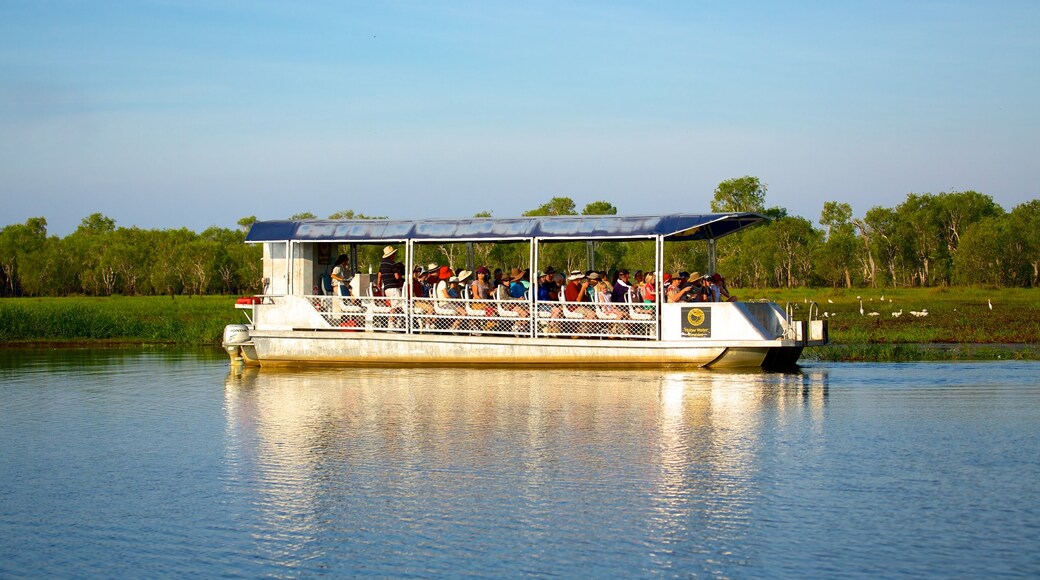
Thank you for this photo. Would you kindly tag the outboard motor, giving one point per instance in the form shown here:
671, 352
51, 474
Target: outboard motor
234, 336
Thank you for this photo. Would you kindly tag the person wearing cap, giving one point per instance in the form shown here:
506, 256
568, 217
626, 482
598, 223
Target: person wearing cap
676, 289
389, 280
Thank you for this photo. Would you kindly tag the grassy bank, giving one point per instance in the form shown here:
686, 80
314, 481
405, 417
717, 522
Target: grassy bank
198, 320
960, 323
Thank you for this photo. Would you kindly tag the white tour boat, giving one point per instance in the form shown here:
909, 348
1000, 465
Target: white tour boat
296, 322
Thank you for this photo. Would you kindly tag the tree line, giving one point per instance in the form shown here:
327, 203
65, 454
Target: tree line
950, 238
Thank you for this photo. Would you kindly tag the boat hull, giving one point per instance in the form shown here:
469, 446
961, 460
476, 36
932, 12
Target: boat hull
298, 348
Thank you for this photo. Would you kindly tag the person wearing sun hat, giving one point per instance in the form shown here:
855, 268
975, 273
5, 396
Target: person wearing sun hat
389, 279
516, 283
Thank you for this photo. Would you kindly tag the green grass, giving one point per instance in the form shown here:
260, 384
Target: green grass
117, 320
956, 316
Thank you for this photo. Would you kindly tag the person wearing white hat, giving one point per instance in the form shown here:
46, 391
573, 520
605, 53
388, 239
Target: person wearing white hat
390, 278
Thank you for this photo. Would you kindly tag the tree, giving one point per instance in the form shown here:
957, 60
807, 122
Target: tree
17, 243
599, 208
835, 214
349, 214
555, 206
247, 222
741, 194
1025, 219
837, 253
303, 216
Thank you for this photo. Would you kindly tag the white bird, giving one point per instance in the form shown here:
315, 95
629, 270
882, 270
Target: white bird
826, 314
882, 297
990, 302
829, 301
873, 314
897, 314
861, 308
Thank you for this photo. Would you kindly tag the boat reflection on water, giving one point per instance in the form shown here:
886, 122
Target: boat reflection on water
370, 451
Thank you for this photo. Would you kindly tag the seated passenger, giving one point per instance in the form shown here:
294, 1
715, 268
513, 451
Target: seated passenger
719, 289
676, 290
576, 292
480, 289
517, 288
649, 288
517, 291
622, 290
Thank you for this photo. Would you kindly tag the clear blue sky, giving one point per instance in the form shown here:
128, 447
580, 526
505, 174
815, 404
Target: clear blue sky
175, 113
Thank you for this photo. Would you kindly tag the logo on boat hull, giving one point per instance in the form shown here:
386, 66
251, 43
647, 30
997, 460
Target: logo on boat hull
696, 322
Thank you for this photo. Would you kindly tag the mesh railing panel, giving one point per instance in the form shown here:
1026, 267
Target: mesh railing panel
489, 317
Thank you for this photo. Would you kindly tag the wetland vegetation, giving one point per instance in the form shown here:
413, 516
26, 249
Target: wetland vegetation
959, 325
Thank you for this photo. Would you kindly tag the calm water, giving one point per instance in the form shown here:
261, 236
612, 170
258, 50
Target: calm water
153, 463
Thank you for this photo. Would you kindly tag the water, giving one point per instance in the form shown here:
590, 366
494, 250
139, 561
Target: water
164, 463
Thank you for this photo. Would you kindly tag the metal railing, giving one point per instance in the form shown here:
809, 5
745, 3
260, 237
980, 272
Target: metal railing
551, 319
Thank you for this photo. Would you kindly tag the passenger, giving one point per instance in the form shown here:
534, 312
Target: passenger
544, 283
718, 286
464, 280
676, 289
429, 279
700, 291
445, 285
341, 276
517, 288
604, 290
550, 303
622, 290
422, 288
418, 275
444, 275
576, 291
648, 290
552, 285
454, 289
390, 279
593, 278
480, 289
517, 291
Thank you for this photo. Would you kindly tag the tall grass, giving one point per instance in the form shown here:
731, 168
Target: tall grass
140, 319
956, 316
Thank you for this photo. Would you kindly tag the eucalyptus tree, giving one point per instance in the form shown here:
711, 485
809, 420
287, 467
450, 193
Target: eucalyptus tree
17, 243
86, 246
1025, 219
837, 254
740, 194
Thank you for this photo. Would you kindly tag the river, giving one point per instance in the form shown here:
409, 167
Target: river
159, 462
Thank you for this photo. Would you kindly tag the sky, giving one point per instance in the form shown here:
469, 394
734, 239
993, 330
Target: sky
176, 113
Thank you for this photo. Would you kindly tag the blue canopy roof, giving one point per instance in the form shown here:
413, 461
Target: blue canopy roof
547, 228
